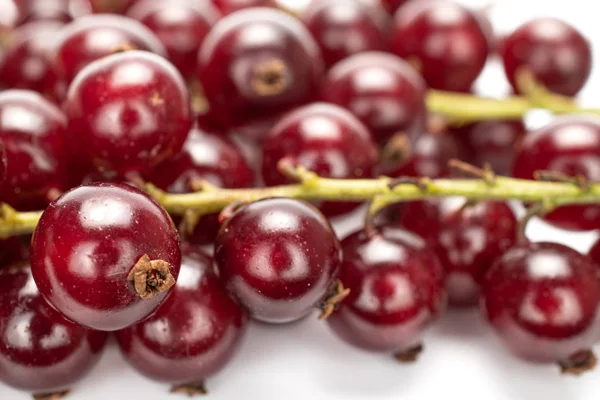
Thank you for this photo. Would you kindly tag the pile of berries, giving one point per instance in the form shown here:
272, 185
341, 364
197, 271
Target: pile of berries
98, 96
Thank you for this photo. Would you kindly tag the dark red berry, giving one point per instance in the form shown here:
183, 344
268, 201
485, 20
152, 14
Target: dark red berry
204, 327
26, 63
569, 145
92, 37
495, 142
256, 64
428, 157
229, 6
105, 255
382, 90
180, 26
559, 57
278, 257
396, 289
40, 351
345, 28
467, 238
205, 157
595, 252
444, 40
128, 112
33, 132
543, 301
325, 139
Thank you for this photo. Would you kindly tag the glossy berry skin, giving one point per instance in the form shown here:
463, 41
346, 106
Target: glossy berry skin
595, 252
278, 257
228, 6
40, 351
467, 239
495, 142
396, 290
181, 27
204, 157
26, 63
33, 132
445, 41
382, 90
568, 145
542, 299
169, 347
128, 112
246, 79
92, 37
345, 28
327, 140
104, 230
559, 57
428, 157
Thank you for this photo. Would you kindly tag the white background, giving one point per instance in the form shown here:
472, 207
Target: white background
462, 358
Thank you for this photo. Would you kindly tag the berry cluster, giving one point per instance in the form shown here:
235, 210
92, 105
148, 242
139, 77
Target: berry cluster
154, 133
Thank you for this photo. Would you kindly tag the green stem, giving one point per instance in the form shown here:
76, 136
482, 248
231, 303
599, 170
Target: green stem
313, 187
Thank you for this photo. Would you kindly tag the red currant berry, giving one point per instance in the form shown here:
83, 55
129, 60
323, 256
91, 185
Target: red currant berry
543, 301
229, 6
595, 252
429, 156
382, 90
345, 28
495, 142
180, 26
187, 355
569, 145
92, 37
26, 63
128, 112
467, 238
325, 139
105, 255
40, 351
396, 290
443, 40
256, 64
559, 57
278, 257
205, 158
33, 132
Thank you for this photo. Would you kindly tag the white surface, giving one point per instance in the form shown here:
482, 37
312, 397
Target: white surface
462, 358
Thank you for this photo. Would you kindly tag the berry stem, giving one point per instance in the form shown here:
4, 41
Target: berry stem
462, 108
312, 187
